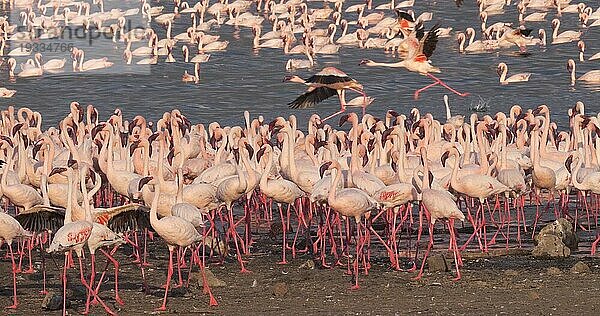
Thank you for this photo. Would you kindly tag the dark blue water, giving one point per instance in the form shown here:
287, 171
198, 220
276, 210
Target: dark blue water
242, 79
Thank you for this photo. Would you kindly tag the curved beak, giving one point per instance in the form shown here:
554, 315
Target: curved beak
260, 153
143, 182
324, 167
343, 119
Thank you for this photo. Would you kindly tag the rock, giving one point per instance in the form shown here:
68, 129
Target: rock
511, 272
54, 301
555, 240
561, 228
437, 263
216, 245
551, 246
553, 271
212, 280
280, 289
533, 295
309, 265
580, 267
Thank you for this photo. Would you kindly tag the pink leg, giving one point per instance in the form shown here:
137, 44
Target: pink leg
116, 264
429, 245
464, 94
14, 273
358, 256
65, 267
92, 279
30, 246
595, 244
163, 307
342, 110
90, 290
424, 88
457, 259
283, 241
212, 300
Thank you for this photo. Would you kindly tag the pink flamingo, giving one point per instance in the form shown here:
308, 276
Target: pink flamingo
421, 48
349, 202
439, 205
9, 230
176, 232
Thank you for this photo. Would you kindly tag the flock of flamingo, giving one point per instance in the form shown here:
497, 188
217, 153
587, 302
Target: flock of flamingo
345, 189
103, 184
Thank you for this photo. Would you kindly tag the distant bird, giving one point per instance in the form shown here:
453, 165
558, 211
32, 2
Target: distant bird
503, 70
517, 36
592, 76
6, 93
421, 47
323, 85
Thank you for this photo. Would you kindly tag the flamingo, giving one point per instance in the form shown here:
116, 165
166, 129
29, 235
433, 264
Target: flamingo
564, 37
592, 76
278, 189
10, 229
73, 236
349, 202
440, 206
323, 85
175, 231
520, 77
92, 64
420, 50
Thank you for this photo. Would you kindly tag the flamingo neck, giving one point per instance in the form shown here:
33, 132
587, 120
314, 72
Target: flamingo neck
503, 75
335, 181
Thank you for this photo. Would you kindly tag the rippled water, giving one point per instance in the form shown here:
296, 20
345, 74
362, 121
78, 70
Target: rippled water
241, 78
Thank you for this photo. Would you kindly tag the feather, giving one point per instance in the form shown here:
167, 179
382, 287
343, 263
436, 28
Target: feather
310, 98
328, 79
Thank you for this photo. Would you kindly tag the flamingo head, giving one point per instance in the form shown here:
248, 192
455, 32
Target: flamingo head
568, 163
324, 167
57, 170
445, 157
143, 182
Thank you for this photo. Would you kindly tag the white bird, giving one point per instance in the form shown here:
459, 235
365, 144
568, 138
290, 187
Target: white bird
502, 70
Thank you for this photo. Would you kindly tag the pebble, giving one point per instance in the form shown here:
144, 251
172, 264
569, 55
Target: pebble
53, 301
580, 267
553, 271
280, 289
533, 295
309, 264
437, 263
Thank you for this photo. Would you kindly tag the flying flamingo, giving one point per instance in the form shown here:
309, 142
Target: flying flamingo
323, 85
9, 230
420, 50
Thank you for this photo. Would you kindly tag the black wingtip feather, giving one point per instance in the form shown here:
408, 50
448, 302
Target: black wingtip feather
311, 98
135, 219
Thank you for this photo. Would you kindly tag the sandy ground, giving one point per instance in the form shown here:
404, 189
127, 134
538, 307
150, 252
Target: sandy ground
514, 283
